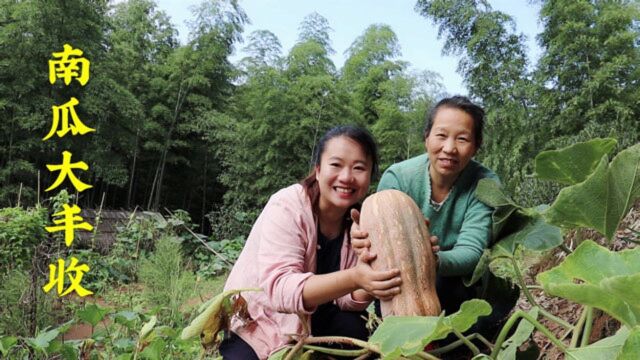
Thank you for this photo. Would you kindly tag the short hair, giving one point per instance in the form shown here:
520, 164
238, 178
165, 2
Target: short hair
461, 103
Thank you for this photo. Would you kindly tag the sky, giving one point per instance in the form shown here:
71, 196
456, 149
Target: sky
417, 35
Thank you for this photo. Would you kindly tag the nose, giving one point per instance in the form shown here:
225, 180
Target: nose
345, 175
449, 145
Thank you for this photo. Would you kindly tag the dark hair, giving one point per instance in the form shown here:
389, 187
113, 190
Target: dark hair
461, 103
357, 134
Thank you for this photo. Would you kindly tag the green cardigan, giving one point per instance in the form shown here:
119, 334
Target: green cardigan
463, 223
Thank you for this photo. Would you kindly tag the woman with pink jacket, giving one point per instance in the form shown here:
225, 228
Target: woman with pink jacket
299, 253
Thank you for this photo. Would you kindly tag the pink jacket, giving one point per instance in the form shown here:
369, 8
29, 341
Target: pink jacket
279, 256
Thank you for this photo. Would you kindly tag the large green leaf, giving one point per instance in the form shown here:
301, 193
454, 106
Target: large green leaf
514, 225
211, 317
623, 187
43, 339
280, 354
604, 198
523, 331
491, 193
592, 275
631, 347
407, 335
607, 348
537, 234
154, 351
573, 164
146, 329
92, 314
6, 343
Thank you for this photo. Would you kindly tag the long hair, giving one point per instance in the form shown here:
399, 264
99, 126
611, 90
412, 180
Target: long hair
357, 134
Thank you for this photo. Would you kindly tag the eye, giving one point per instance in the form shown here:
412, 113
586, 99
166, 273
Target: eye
360, 168
334, 165
463, 139
441, 136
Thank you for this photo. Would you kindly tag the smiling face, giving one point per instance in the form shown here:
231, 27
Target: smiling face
344, 174
450, 144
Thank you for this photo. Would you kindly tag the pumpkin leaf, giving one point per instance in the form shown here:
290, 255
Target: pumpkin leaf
211, 319
92, 314
468, 315
405, 335
402, 336
154, 351
523, 331
6, 343
592, 275
480, 269
604, 198
514, 225
631, 347
146, 329
43, 339
607, 348
573, 164
280, 354
492, 194
536, 234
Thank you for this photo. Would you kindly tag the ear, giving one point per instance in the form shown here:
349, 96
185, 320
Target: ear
317, 170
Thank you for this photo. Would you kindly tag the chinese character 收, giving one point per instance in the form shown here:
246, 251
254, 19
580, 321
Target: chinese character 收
69, 220
65, 171
70, 65
62, 112
75, 274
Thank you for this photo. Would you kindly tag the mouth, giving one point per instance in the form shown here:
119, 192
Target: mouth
448, 162
344, 190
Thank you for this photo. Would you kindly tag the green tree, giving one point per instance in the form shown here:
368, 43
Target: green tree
493, 64
29, 33
591, 68
369, 65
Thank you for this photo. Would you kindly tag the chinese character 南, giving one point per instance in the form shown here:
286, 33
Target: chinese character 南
70, 65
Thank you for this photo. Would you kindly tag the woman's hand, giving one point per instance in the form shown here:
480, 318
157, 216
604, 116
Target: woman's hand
432, 239
359, 238
383, 285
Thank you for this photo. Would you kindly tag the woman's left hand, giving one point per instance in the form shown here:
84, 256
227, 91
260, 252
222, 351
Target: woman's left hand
433, 239
383, 285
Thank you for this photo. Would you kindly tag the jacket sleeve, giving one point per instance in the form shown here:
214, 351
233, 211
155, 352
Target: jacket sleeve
473, 238
281, 256
347, 302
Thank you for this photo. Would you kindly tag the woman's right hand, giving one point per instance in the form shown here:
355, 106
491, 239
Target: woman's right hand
383, 285
359, 238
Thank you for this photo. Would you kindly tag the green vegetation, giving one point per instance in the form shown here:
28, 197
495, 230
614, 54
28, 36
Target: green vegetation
178, 126
592, 275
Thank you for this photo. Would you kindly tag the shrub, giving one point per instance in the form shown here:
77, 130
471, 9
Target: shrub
20, 231
168, 282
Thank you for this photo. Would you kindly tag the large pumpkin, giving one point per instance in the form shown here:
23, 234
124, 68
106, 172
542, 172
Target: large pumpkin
400, 238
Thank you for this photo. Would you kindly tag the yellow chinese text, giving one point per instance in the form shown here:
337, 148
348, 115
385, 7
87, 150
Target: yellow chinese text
66, 171
75, 273
70, 64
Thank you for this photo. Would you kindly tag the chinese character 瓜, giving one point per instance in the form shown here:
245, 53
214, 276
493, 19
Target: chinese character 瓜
62, 112
65, 171
69, 219
75, 274
70, 65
